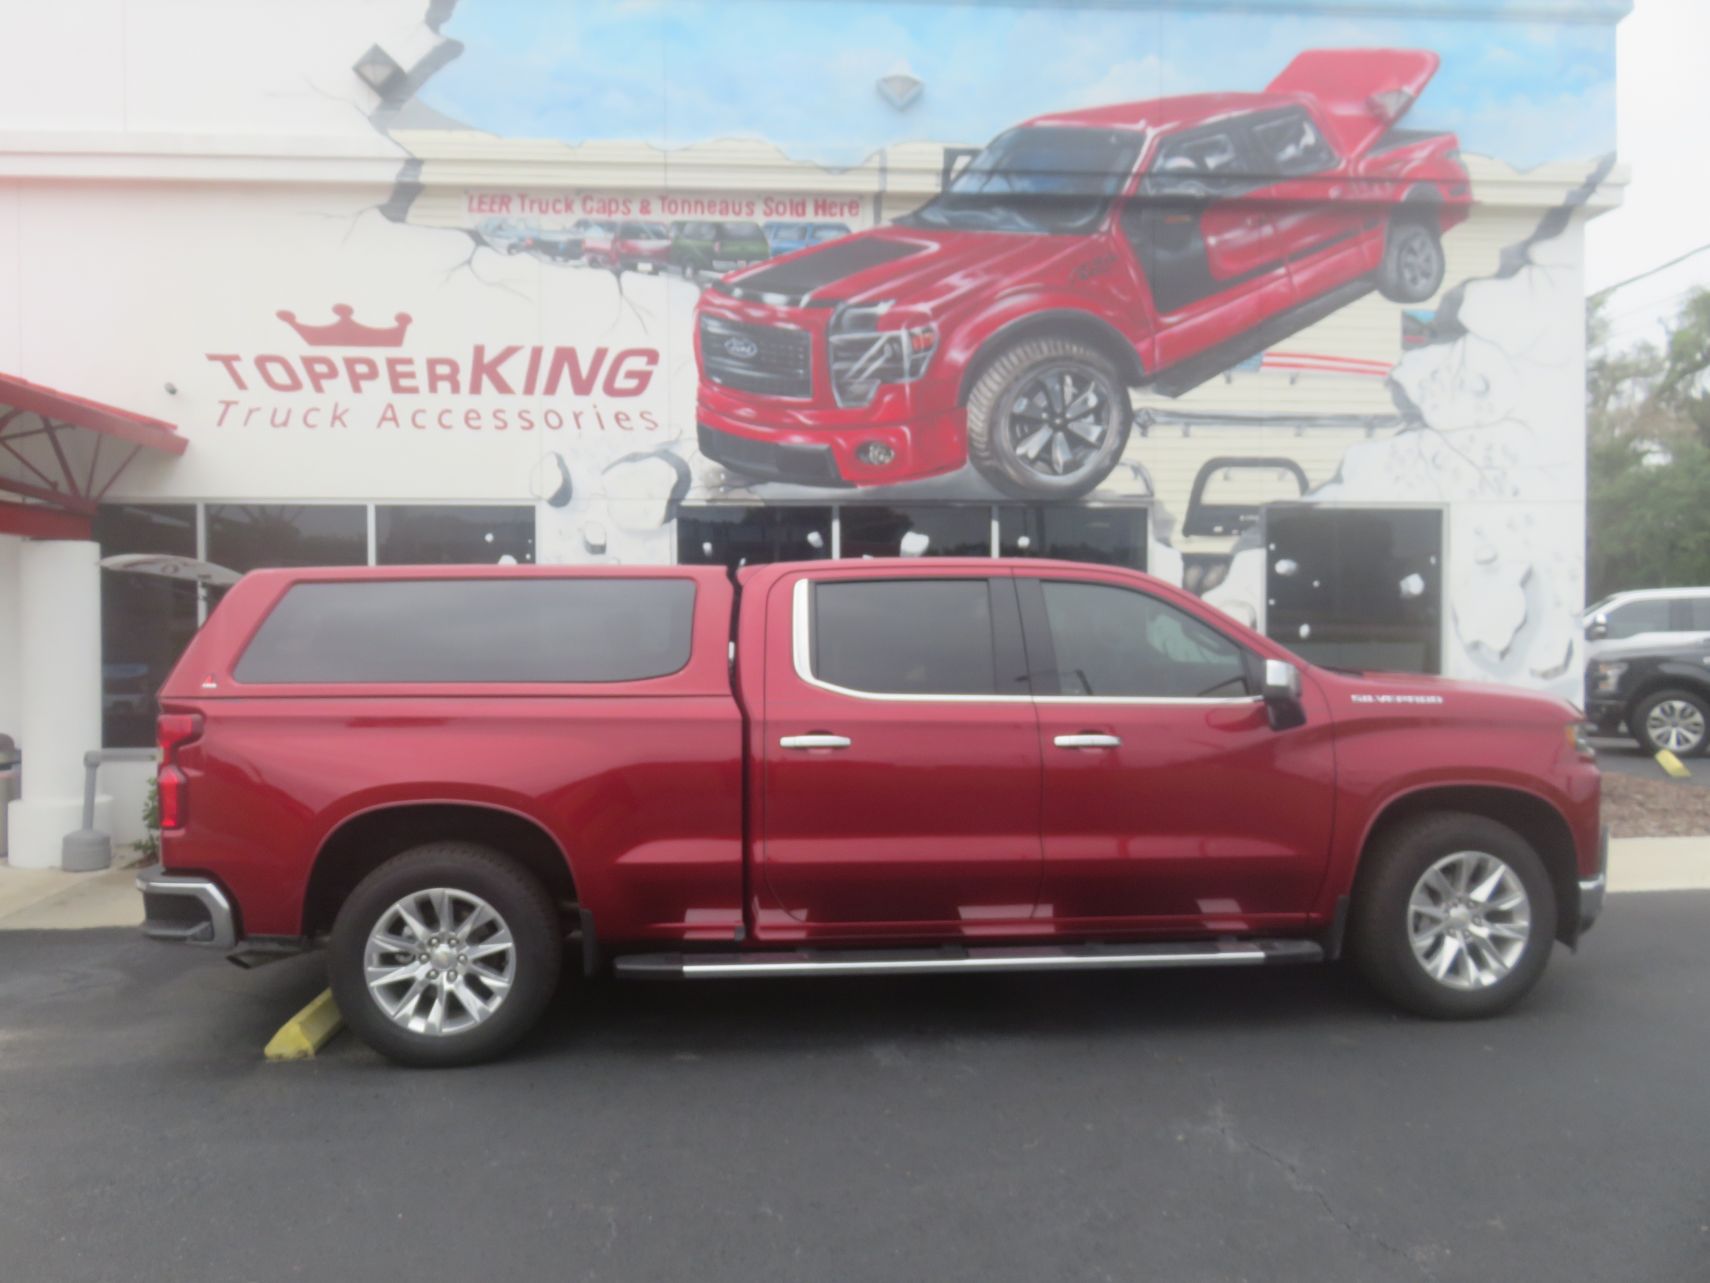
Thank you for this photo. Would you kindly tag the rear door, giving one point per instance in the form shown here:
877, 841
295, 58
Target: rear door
900, 755
1170, 802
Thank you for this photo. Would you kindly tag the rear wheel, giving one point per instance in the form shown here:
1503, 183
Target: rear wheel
445, 955
1413, 264
1676, 720
1453, 917
1048, 418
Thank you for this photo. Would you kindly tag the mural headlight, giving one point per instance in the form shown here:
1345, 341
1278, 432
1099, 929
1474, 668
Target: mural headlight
863, 356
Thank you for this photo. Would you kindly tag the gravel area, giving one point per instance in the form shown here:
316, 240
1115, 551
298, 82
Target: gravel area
1640, 808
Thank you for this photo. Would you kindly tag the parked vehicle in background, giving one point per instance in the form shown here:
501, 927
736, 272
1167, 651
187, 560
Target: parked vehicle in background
506, 234
1659, 692
445, 774
699, 245
1647, 617
787, 238
632, 246
1080, 255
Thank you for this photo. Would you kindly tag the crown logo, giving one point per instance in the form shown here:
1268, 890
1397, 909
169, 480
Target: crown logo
348, 332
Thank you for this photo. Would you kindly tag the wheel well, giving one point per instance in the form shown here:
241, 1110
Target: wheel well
1531, 817
365, 842
1422, 204
1074, 325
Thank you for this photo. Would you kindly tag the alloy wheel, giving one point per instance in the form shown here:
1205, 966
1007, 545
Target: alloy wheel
440, 961
1059, 421
1416, 262
1676, 724
1469, 919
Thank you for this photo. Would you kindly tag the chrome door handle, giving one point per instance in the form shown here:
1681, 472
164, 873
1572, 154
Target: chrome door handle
814, 741
1088, 741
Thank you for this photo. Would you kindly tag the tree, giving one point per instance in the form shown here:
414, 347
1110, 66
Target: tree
1648, 455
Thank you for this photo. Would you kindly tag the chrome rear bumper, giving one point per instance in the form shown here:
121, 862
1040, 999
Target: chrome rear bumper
186, 910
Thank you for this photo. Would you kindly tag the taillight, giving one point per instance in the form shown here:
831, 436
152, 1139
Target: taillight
171, 732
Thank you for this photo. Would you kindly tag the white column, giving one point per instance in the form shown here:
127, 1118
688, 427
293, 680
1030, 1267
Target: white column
59, 697
10, 614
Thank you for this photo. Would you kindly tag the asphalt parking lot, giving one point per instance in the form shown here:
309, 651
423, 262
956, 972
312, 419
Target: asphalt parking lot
1625, 757
1235, 1125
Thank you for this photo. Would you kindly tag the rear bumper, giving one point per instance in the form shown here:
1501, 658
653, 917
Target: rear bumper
186, 910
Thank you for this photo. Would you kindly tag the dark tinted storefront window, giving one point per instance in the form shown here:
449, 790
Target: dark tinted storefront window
746, 535
1074, 532
244, 537
1357, 588
920, 530
474, 630
416, 535
913, 637
146, 620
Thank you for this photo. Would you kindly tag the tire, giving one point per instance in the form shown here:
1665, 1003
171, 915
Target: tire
1042, 453
473, 875
1675, 719
1383, 918
1413, 264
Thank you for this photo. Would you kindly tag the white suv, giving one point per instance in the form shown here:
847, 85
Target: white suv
1647, 617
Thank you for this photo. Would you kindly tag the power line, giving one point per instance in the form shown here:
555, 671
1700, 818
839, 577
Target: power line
1651, 271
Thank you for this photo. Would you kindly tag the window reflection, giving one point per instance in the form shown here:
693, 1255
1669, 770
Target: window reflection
146, 620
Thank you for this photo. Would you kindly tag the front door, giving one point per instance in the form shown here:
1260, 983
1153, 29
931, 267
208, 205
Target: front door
1169, 800
901, 783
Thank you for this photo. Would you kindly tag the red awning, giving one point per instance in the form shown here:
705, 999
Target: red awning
51, 446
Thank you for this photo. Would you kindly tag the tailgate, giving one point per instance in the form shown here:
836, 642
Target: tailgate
1362, 92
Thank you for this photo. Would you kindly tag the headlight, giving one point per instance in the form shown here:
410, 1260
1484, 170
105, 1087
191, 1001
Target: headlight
1578, 742
863, 356
1606, 675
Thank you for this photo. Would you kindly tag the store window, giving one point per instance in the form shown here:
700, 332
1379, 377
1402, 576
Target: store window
1357, 588
419, 535
737, 535
146, 620
919, 530
1114, 536
245, 537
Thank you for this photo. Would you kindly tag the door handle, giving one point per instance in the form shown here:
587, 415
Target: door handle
814, 741
1088, 741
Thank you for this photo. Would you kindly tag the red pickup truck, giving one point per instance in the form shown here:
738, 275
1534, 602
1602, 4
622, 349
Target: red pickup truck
1079, 255
448, 775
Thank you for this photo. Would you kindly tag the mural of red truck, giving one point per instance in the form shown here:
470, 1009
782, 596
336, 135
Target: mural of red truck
1081, 254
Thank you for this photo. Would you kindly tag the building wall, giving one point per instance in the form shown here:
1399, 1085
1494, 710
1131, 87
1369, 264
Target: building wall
224, 166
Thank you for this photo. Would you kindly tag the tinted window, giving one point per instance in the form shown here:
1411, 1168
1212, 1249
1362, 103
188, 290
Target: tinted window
1698, 613
245, 537
1110, 641
632, 231
474, 630
1291, 144
1075, 532
146, 620
747, 535
912, 637
740, 232
1639, 617
918, 530
411, 535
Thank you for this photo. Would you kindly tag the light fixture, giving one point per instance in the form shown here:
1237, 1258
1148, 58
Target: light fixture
379, 71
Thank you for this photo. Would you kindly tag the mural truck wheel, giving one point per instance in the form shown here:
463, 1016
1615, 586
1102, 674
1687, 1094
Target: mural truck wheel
1048, 419
1412, 267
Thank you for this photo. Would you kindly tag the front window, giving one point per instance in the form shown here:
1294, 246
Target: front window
1109, 641
1290, 145
740, 232
1637, 617
1041, 178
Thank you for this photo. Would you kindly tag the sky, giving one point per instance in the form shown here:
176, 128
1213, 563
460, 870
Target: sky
1663, 100
802, 73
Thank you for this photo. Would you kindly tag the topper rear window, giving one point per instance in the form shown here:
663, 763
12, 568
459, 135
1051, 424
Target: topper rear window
474, 630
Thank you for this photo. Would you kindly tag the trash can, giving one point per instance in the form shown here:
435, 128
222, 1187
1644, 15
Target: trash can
10, 787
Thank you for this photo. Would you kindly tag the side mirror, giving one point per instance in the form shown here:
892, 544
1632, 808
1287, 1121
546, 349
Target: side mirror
1598, 628
1281, 692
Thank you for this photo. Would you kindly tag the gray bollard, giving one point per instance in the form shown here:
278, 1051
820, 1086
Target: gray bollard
89, 850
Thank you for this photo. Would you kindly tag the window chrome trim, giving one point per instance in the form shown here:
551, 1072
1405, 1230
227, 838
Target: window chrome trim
801, 651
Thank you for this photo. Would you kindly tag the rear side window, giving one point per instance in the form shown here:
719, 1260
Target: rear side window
474, 630
905, 636
1110, 641
1698, 614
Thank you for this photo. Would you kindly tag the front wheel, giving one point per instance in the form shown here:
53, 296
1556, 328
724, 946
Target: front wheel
445, 955
1676, 720
1453, 916
1413, 264
1048, 419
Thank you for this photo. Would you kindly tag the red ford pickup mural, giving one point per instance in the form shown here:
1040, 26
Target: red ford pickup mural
1081, 254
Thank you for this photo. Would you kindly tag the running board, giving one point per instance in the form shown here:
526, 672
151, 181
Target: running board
905, 962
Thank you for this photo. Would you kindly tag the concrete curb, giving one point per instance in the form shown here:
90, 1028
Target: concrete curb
1659, 864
